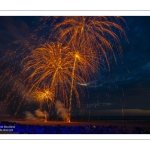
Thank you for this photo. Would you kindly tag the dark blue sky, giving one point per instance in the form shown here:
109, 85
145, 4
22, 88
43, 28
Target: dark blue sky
128, 82
126, 85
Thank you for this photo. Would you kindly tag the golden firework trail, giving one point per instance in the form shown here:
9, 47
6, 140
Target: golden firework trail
95, 32
51, 71
84, 67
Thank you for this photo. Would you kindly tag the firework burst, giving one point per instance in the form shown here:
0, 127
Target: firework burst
47, 65
59, 67
42, 95
96, 33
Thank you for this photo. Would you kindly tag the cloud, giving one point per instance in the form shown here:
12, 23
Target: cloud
99, 104
118, 112
30, 116
88, 84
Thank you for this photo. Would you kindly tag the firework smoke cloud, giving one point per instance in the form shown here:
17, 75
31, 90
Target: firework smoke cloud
61, 110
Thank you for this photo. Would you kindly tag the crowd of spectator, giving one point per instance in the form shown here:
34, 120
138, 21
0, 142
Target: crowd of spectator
84, 129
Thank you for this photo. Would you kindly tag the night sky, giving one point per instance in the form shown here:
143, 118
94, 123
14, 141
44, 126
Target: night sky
122, 90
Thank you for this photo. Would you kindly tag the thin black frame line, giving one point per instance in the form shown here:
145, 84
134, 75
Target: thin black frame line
74, 10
